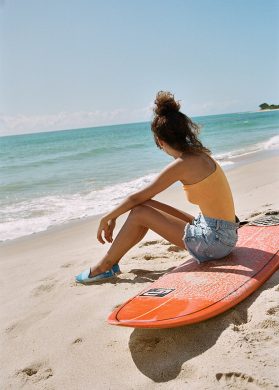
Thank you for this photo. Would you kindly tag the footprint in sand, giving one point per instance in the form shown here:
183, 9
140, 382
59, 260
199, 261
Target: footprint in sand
238, 317
273, 310
239, 380
35, 372
149, 257
11, 328
16, 329
148, 243
262, 331
254, 338
66, 265
174, 248
43, 288
269, 324
77, 341
152, 257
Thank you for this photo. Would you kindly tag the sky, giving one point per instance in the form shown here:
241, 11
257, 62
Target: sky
71, 64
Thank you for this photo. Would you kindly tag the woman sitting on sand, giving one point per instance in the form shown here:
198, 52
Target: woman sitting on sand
210, 236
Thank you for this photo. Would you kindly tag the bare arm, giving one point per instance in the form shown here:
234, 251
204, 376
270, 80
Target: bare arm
168, 176
170, 210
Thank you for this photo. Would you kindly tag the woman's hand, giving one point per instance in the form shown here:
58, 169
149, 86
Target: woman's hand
106, 226
111, 223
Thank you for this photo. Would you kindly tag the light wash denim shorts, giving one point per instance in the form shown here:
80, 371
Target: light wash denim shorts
209, 238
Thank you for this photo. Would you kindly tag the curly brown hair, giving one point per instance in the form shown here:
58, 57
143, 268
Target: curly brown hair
174, 127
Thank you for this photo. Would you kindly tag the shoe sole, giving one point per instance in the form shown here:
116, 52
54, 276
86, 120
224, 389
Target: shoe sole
100, 281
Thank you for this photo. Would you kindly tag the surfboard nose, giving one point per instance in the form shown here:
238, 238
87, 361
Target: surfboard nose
148, 311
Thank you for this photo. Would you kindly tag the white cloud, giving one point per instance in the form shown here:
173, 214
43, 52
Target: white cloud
20, 124
213, 107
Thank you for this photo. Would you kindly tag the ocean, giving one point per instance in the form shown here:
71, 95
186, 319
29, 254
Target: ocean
54, 177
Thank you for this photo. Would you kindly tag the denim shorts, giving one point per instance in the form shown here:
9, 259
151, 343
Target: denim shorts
209, 238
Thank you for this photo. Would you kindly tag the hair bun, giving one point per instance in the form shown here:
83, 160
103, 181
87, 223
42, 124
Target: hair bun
165, 104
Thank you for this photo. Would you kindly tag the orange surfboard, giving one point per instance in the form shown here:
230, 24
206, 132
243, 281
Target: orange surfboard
195, 292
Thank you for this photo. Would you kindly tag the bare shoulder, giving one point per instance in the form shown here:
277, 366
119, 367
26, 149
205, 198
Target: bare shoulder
196, 167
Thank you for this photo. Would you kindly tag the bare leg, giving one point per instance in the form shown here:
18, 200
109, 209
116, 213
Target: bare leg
140, 219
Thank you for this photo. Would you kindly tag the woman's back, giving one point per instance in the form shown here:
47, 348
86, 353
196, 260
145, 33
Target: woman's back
208, 187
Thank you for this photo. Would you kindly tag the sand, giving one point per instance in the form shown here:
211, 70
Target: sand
54, 333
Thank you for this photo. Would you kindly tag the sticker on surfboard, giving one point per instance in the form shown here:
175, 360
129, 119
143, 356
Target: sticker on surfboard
157, 292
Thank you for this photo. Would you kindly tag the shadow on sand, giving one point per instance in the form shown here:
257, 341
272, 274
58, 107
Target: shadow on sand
160, 353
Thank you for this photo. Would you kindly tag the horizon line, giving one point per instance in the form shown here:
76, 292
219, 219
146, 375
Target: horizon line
122, 123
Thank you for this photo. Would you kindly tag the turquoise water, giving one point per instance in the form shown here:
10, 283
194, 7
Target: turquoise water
51, 178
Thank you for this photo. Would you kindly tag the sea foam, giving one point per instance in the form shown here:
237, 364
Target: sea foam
25, 218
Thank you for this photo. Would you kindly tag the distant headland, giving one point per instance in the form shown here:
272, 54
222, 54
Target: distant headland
265, 106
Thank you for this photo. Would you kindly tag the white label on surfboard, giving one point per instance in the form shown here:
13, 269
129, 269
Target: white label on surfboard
157, 292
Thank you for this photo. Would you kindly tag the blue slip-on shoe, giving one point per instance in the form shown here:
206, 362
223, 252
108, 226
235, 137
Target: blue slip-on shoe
116, 268
84, 278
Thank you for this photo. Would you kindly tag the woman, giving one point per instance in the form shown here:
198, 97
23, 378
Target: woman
211, 235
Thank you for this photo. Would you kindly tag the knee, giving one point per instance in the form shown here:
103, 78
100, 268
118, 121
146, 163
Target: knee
137, 212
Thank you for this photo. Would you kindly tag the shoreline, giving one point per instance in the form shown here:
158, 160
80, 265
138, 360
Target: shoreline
241, 161
268, 109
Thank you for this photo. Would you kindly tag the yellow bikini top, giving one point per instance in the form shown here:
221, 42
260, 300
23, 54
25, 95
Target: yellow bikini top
213, 195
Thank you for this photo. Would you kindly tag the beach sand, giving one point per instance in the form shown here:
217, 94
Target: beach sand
54, 333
